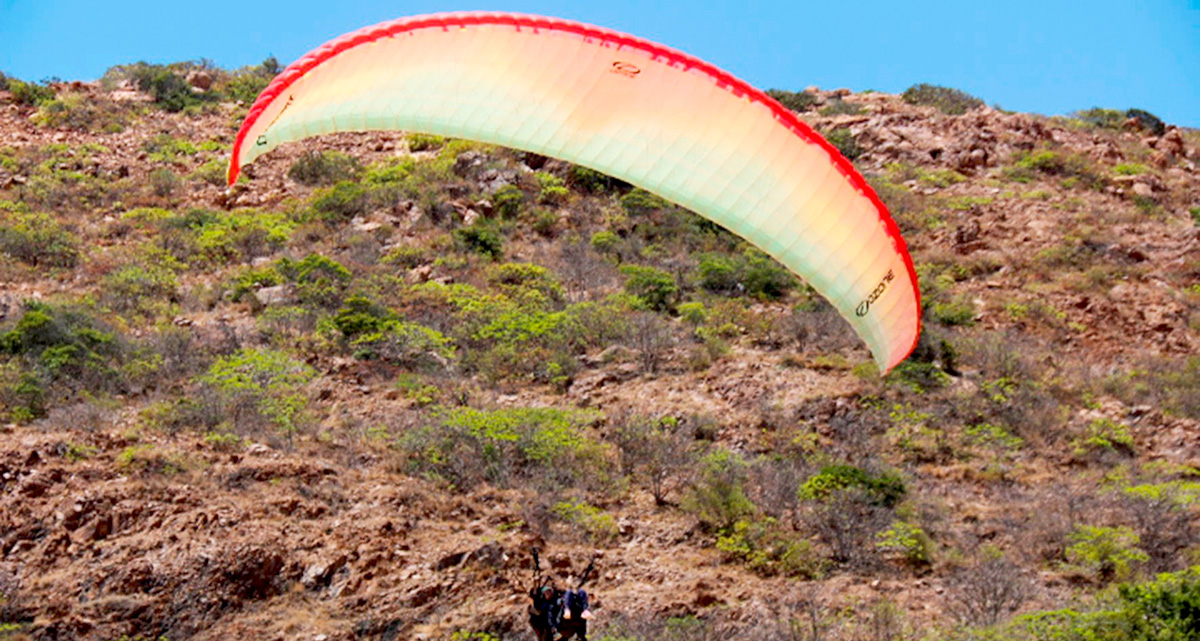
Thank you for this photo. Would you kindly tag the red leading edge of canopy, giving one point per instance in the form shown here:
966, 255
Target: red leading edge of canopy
724, 79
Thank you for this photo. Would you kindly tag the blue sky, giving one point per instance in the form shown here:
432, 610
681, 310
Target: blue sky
1047, 56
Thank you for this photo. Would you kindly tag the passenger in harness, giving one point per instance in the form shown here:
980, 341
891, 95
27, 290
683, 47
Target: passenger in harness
554, 610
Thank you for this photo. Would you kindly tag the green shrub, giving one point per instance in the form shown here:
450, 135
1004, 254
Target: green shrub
770, 549
254, 389
29, 93
424, 142
466, 446
139, 286
1103, 118
958, 312
323, 168
169, 89
752, 272
241, 234
320, 280
1165, 609
168, 149
718, 495
640, 202
591, 181
1104, 552
57, 350
654, 287
245, 84
81, 112
342, 201
1148, 121
598, 525
481, 238
404, 344
516, 278
843, 140
1070, 167
947, 100
37, 239
839, 107
794, 100
553, 191
1103, 434
1129, 169
606, 243
884, 489
908, 541
507, 201
718, 273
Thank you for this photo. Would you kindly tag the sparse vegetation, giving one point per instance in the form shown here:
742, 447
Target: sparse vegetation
949, 101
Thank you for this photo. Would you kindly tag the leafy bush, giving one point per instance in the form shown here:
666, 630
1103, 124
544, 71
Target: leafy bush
769, 549
843, 140
654, 287
1103, 118
947, 100
320, 280
598, 525
516, 278
81, 112
592, 181
245, 84
640, 202
794, 100
254, 389
605, 242
718, 495
884, 489
1148, 121
752, 272
553, 191
405, 344
1165, 609
169, 89
323, 168
1105, 552
1070, 167
424, 142
139, 286
167, 148
839, 107
29, 93
507, 201
481, 238
908, 541
56, 349
342, 201
219, 237
37, 239
465, 446
1103, 434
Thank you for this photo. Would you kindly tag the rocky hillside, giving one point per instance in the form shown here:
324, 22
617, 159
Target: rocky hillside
347, 398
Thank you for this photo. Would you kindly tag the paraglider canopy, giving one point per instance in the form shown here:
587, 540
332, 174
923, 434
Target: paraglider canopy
639, 111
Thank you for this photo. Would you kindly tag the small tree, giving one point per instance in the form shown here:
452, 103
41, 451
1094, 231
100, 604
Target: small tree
657, 450
718, 494
989, 589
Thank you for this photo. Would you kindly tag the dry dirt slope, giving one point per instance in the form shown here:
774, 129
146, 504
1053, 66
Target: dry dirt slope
1057, 390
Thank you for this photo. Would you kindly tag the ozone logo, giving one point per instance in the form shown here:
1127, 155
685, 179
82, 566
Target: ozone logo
627, 69
865, 306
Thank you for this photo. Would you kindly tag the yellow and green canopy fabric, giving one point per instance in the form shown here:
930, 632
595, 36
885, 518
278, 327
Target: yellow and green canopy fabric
633, 109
